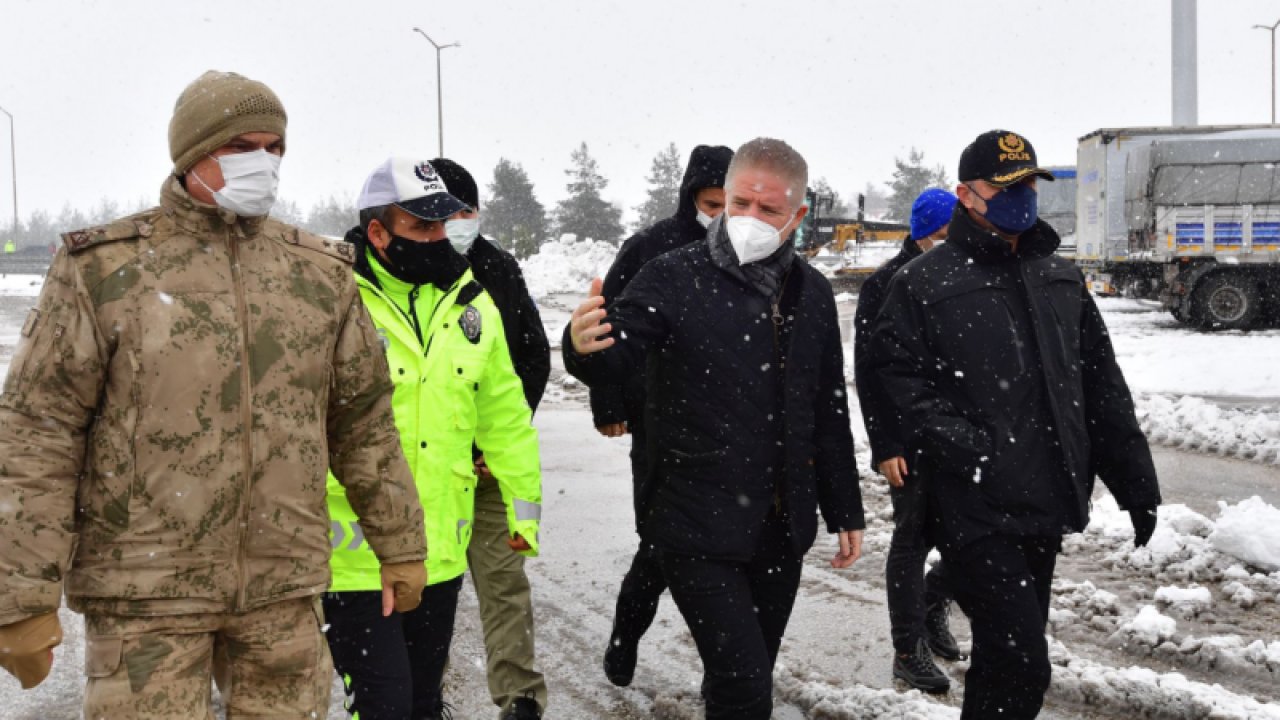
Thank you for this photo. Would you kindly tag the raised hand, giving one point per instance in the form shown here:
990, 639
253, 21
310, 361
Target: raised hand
585, 326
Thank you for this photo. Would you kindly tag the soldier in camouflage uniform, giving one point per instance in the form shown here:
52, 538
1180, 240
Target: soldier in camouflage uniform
187, 378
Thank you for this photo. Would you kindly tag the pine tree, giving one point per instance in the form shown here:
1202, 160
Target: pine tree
585, 213
664, 188
287, 211
512, 215
332, 217
911, 178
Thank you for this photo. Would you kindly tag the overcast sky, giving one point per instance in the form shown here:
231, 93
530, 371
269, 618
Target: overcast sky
851, 84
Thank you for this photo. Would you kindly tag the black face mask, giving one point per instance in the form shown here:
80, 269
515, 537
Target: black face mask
420, 263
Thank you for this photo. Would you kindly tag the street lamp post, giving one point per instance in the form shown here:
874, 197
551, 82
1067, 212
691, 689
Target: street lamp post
1272, 30
439, 87
13, 163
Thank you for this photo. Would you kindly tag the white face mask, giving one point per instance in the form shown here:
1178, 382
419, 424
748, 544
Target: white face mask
704, 219
462, 232
251, 181
752, 239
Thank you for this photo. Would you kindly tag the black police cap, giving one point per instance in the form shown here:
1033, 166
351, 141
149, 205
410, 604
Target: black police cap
1002, 158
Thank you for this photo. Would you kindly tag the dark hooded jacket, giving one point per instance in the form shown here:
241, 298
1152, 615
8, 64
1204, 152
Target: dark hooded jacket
742, 415
1012, 399
878, 413
707, 167
499, 272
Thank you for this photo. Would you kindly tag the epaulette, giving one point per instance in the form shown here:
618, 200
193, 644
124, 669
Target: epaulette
124, 229
469, 292
340, 249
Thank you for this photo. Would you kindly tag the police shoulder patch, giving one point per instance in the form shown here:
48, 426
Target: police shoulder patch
339, 249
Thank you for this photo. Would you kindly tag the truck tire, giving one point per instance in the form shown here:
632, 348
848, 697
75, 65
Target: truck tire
1226, 301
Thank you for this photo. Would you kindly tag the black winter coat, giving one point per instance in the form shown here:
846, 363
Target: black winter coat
970, 325
879, 414
707, 167
498, 272
732, 430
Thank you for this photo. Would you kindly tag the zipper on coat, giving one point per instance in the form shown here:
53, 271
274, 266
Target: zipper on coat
413, 313
1055, 411
426, 349
246, 410
777, 321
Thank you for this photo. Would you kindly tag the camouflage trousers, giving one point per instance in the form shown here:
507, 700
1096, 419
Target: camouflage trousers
269, 663
506, 609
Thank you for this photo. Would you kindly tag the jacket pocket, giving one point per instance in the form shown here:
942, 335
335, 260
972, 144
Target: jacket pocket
102, 656
35, 339
677, 458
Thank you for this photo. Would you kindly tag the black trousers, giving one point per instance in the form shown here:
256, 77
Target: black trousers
643, 585
1002, 583
910, 590
392, 667
639, 595
737, 613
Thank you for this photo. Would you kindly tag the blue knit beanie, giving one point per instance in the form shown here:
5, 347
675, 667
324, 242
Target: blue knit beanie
930, 212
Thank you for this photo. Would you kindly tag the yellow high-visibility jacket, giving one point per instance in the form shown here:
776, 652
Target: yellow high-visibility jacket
453, 387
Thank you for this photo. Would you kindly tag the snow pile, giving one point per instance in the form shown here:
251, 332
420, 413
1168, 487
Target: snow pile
1076, 602
1150, 627
1189, 602
1190, 423
1108, 521
820, 699
20, 285
1249, 664
567, 266
1181, 550
1249, 531
1139, 692
1264, 654
1180, 390
1240, 594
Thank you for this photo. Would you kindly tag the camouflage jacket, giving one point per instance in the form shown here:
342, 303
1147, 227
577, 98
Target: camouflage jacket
169, 415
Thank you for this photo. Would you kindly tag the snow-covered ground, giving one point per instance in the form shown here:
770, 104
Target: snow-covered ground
1186, 628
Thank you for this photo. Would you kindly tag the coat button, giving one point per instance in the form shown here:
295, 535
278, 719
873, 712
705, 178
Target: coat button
423, 444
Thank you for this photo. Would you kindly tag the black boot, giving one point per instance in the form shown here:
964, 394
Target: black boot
620, 661
938, 631
525, 708
917, 670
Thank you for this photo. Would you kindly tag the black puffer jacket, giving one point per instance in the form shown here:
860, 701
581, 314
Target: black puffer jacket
879, 415
732, 429
1009, 387
707, 167
499, 272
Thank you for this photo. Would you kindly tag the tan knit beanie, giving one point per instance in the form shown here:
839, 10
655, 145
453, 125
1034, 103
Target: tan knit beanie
217, 107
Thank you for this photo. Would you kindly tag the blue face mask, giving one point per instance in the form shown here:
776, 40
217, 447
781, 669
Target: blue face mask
1013, 210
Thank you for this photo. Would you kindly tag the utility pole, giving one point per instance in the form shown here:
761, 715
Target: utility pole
1184, 70
439, 87
13, 163
1272, 29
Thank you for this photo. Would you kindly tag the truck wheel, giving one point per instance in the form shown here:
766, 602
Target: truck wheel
1226, 302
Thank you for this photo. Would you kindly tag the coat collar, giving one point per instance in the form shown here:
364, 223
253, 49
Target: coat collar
985, 246
198, 218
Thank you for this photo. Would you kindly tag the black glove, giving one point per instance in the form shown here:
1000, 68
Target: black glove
1144, 523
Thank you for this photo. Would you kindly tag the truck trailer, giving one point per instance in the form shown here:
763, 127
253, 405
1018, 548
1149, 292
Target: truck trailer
1186, 215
